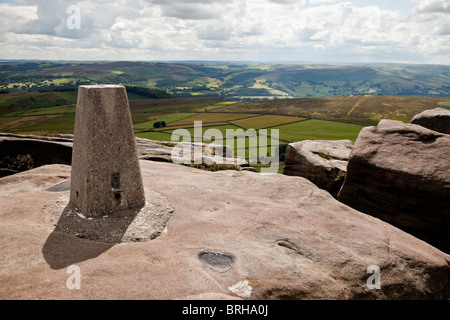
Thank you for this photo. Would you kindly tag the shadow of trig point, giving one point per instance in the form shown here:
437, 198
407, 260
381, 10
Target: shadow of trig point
106, 176
107, 203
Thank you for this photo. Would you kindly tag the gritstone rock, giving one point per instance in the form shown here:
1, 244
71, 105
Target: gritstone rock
401, 173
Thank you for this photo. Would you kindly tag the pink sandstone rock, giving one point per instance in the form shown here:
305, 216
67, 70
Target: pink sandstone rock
289, 240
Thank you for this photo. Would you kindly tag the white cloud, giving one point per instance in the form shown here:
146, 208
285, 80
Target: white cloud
289, 2
212, 32
426, 6
324, 30
321, 1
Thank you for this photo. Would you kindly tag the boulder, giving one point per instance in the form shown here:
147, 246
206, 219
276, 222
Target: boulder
436, 119
148, 147
199, 153
401, 173
58, 150
322, 162
231, 234
21, 153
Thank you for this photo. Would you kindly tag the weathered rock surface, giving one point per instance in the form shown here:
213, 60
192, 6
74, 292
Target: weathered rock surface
284, 239
58, 150
133, 225
41, 150
198, 153
157, 149
401, 173
322, 162
437, 119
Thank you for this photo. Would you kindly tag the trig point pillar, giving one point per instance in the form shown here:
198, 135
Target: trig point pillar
106, 176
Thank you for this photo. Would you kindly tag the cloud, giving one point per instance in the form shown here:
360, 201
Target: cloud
289, 2
96, 16
214, 33
444, 30
322, 1
428, 6
11, 18
226, 30
192, 9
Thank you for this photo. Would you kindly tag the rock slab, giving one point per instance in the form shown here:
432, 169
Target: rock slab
18, 152
58, 150
437, 119
133, 225
401, 173
263, 237
322, 162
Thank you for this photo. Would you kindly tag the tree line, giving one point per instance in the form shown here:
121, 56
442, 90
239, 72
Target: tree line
151, 93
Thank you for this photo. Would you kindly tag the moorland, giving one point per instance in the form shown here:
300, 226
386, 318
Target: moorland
304, 102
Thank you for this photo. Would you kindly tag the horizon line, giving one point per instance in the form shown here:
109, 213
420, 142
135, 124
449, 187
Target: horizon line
216, 62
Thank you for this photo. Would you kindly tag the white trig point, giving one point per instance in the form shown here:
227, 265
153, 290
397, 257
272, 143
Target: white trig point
106, 175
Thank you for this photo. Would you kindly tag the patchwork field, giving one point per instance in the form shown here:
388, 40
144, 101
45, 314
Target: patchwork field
209, 118
160, 136
26, 122
294, 119
169, 118
319, 130
363, 109
265, 121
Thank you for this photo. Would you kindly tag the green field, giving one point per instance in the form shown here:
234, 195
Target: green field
169, 118
55, 124
70, 109
295, 119
214, 106
336, 101
159, 136
215, 118
8, 119
42, 112
25, 124
319, 130
209, 132
445, 104
265, 121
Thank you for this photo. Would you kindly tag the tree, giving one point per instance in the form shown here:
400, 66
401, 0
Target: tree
159, 124
149, 92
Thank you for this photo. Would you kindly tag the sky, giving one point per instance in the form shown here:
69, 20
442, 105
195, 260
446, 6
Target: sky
305, 31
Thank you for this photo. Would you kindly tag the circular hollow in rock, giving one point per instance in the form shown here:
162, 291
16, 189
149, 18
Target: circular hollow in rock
217, 261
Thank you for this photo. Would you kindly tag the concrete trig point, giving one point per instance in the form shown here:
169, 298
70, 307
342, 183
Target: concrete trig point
106, 175
107, 196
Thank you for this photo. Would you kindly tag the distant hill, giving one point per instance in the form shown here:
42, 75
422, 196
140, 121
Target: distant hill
232, 81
